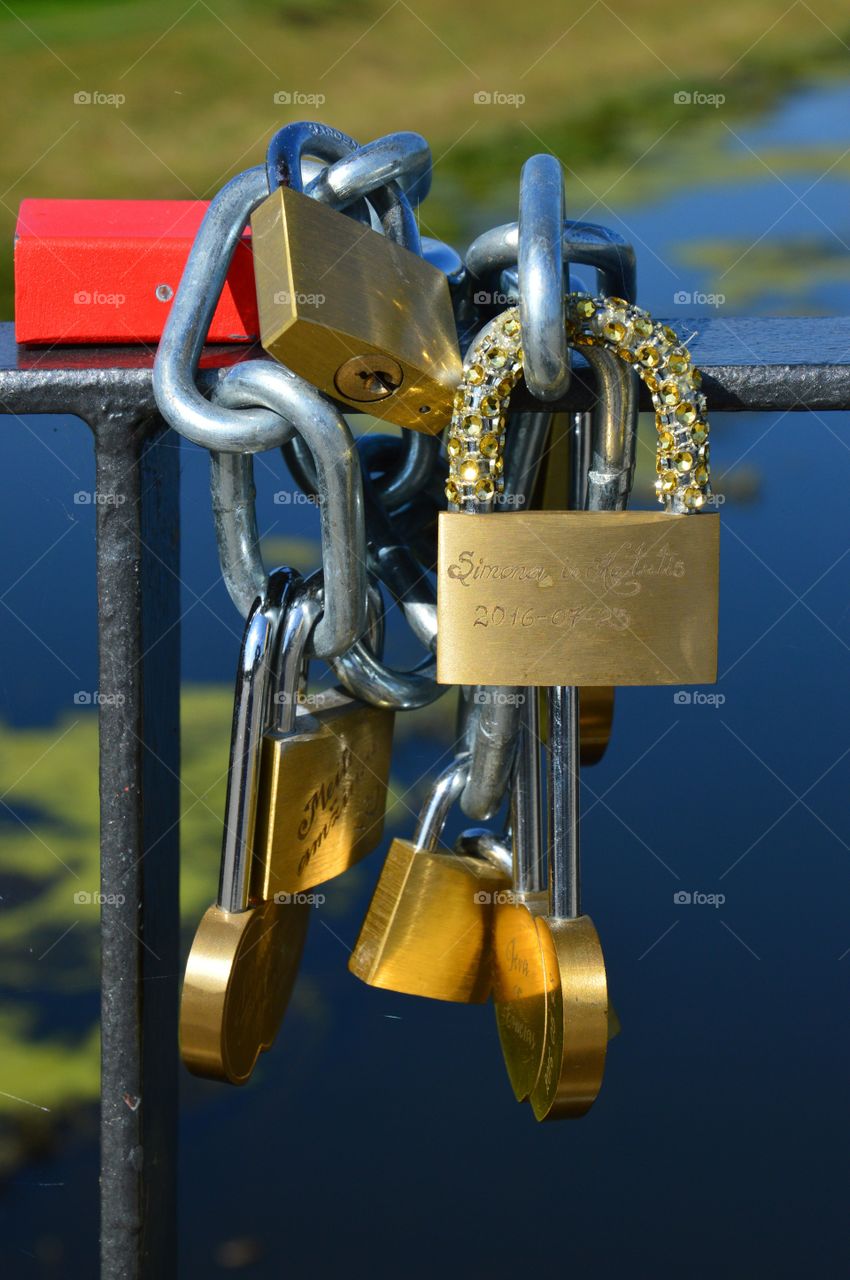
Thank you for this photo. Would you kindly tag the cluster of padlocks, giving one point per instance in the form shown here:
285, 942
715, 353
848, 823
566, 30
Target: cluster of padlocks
544, 582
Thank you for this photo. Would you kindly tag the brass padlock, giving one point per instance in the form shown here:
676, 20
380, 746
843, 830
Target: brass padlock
359, 316
324, 771
428, 928
597, 597
245, 953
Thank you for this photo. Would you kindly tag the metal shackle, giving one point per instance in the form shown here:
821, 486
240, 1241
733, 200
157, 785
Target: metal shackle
540, 269
582, 243
340, 488
445, 791
254, 680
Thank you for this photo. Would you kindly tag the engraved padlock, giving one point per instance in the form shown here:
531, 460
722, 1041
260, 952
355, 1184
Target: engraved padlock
595, 597
357, 314
246, 951
324, 771
427, 931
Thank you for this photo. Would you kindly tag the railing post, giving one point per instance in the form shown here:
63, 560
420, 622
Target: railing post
139, 644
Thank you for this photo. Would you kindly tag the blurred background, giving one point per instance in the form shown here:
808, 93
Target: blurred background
380, 1135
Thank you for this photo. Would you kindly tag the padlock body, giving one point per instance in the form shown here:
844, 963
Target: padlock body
577, 598
428, 928
239, 977
322, 795
330, 289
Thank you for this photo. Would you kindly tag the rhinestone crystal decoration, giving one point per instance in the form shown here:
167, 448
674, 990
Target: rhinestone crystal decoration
493, 367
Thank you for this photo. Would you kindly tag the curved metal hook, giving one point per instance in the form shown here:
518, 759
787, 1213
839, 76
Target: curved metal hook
540, 268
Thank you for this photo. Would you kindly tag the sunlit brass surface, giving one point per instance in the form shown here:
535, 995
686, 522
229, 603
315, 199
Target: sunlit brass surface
329, 289
322, 796
428, 928
519, 989
239, 977
577, 1025
577, 598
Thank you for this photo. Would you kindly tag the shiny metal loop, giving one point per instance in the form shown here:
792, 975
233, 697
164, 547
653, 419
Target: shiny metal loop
496, 719
293, 142
540, 268
178, 398
362, 672
388, 556
419, 456
584, 243
235, 520
444, 792
401, 157
340, 490
562, 797
254, 679
479, 842
613, 440
526, 802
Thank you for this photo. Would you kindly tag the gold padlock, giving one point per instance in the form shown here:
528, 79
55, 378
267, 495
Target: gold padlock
585, 597
359, 316
245, 954
323, 778
428, 928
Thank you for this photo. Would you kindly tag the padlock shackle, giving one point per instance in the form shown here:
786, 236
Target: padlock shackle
526, 801
444, 792
254, 679
562, 800
583, 243
540, 272
293, 142
613, 438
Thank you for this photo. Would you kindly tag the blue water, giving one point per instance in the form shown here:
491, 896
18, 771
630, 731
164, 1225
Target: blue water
380, 1136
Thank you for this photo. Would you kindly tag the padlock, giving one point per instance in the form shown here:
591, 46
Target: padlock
362, 318
595, 597
427, 931
573, 967
323, 778
245, 953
